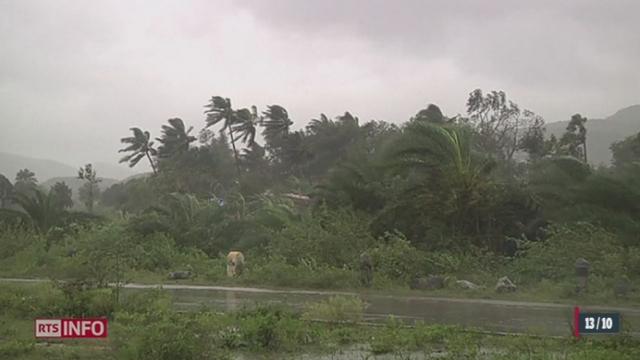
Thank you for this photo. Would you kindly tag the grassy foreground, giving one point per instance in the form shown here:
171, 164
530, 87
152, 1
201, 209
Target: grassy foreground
145, 326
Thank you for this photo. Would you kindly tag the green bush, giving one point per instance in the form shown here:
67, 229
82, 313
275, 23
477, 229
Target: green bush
276, 271
555, 257
273, 328
395, 258
148, 301
14, 239
336, 309
391, 339
42, 300
333, 238
172, 337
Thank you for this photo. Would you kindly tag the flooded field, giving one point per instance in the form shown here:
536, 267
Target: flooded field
490, 315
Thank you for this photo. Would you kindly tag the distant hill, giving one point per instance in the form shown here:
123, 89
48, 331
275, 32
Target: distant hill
601, 133
46, 169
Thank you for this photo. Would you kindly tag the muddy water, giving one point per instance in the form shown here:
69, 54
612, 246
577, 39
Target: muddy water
489, 315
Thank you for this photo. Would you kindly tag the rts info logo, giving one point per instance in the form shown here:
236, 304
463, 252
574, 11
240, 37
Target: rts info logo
71, 328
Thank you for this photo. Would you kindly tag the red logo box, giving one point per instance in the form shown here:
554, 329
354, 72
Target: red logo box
71, 328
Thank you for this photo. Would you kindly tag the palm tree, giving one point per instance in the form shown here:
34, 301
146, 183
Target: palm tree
247, 122
219, 109
175, 138
431, 114
316, 126
450, 177
276, 122
42, 209
139, 146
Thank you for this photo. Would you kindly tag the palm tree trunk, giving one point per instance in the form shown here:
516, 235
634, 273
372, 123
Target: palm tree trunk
153, 166
235, 152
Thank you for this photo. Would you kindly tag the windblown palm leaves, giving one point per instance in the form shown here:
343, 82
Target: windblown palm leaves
42, 209
219, 110
175, 138
440, 150
276, 123
138, 147
246, 124
444, 177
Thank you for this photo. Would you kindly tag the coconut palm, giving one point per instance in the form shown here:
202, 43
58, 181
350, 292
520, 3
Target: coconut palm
317, 126
139, 147
276, 122
42, 209
246, 123
219, 110
446, 175
175, 138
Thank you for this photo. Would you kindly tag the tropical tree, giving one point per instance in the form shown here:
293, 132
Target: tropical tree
574, 140
500, 123
26, 181
62, 195
276, 123
626, 151
90, 191
329, 142
6, 191
219, 110
139, 147
445, 179
534, 143
246, 125
431, 114
42, 209
175, 138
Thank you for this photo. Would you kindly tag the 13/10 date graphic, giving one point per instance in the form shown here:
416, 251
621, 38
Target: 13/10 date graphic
595, 323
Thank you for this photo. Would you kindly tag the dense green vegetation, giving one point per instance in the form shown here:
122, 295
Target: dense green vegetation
472, 197
475, 197
144, 326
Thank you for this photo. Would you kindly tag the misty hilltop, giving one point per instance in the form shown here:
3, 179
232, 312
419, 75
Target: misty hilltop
46, 169
601, 133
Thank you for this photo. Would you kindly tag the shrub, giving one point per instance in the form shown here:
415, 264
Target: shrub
334, 238
13, 239
390, 339
336, 309
148, 301
154, 252
273, 328
276, 271
555, 257
397, 259
171, 337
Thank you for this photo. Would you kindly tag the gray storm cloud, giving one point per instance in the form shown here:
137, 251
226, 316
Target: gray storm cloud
75, 75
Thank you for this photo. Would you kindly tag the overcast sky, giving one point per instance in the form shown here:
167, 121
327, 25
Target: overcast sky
75, 75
